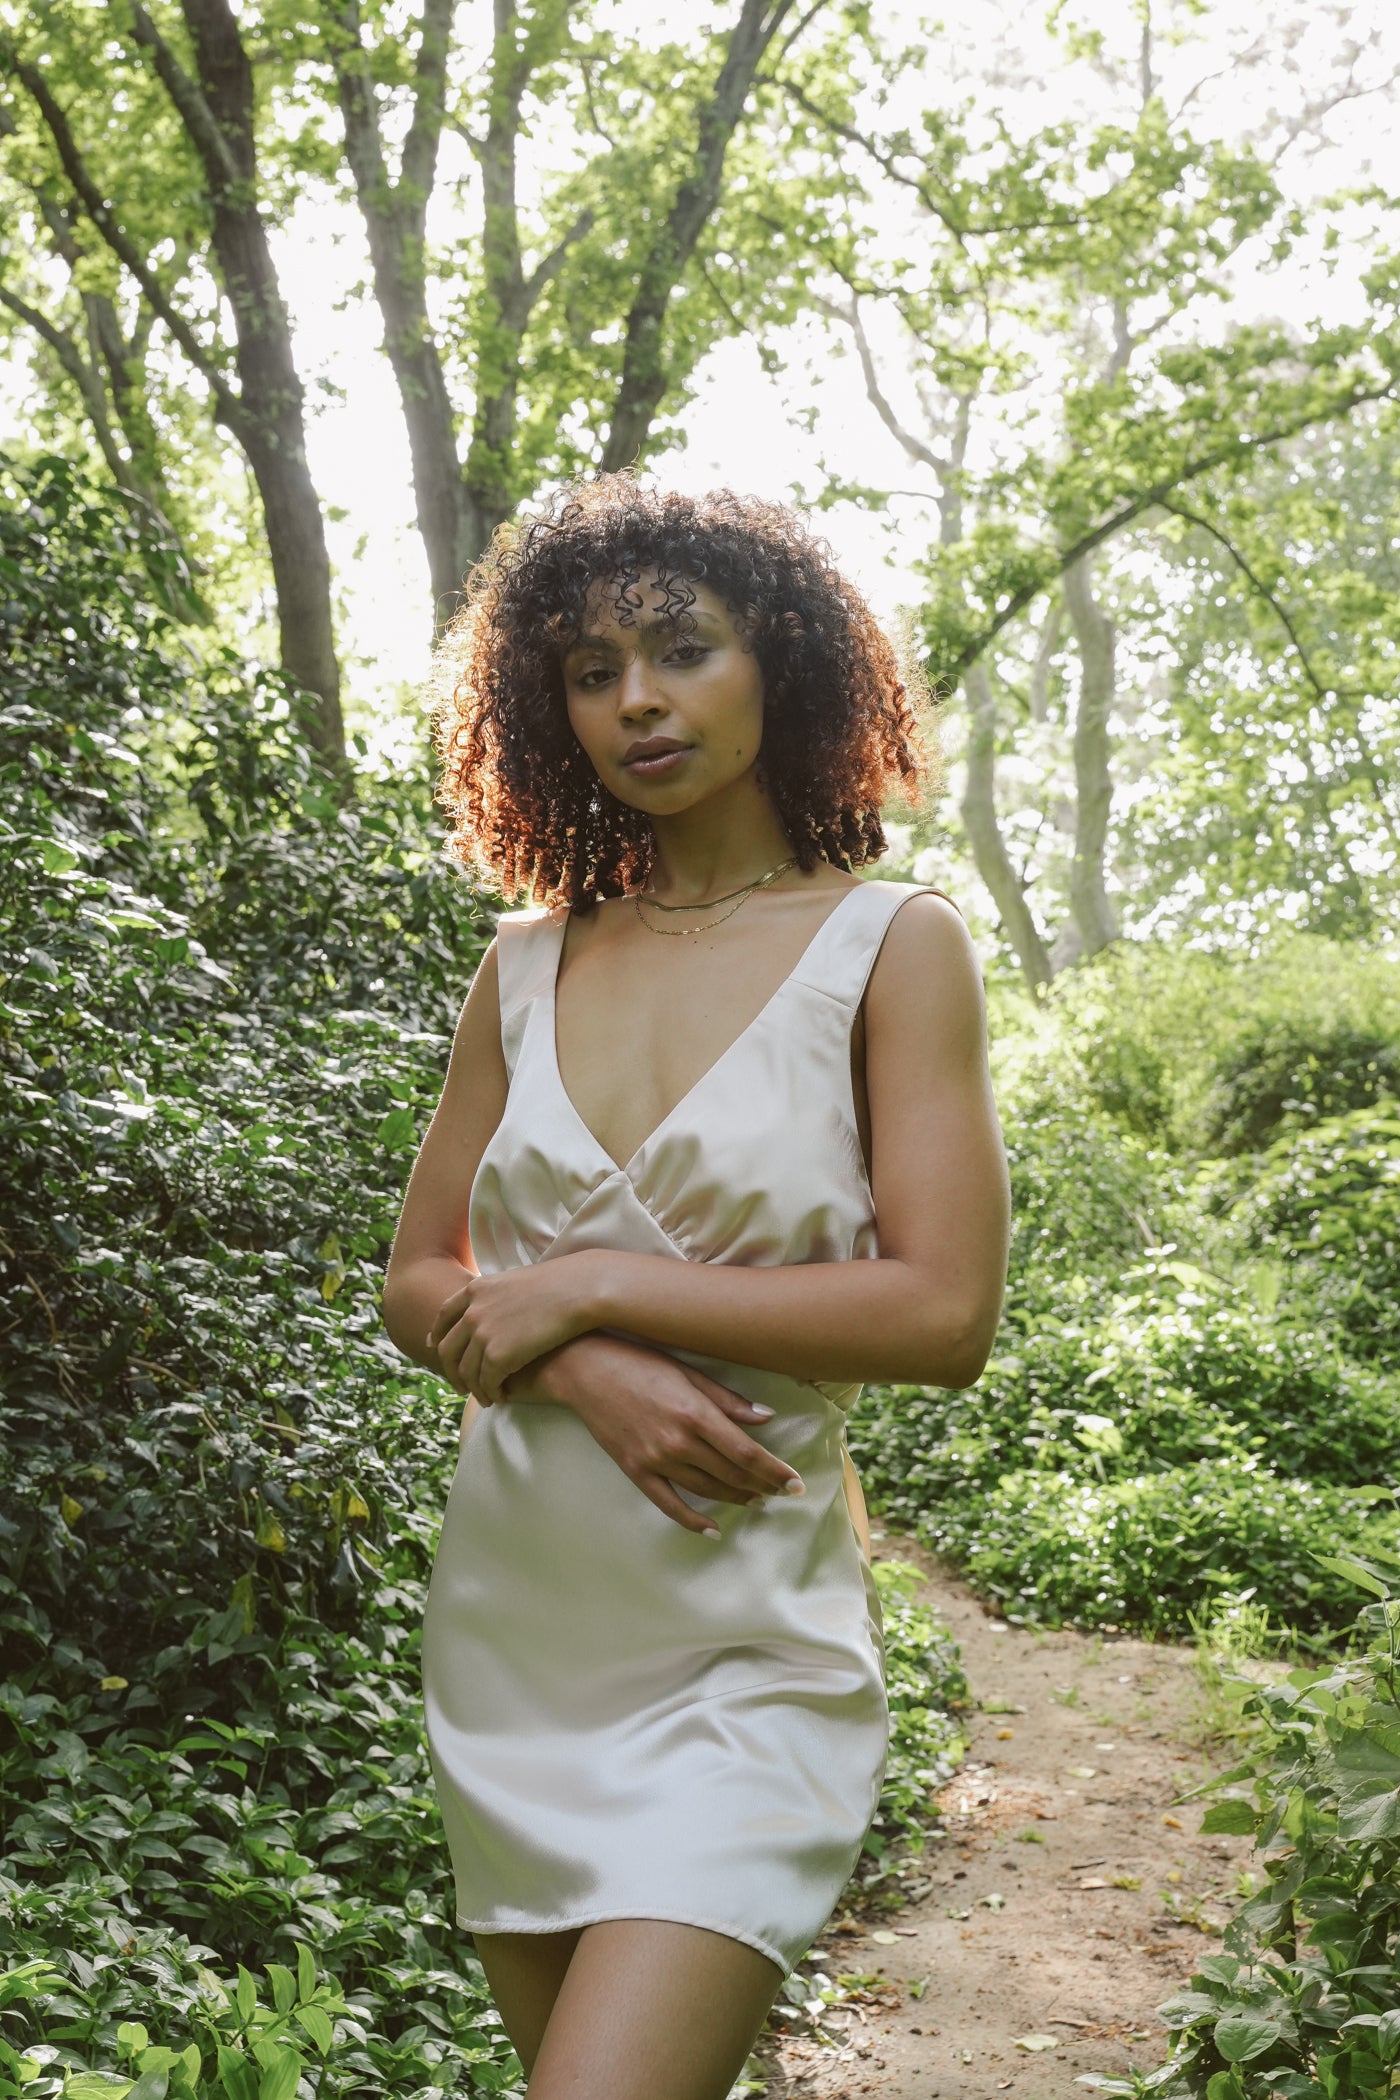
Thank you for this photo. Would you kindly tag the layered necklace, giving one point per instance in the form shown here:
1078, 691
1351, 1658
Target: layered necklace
743, 893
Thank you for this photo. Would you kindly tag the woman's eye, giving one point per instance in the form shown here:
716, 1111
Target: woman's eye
686, 653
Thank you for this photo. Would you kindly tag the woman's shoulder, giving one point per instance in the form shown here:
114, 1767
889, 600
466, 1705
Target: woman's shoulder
925, 946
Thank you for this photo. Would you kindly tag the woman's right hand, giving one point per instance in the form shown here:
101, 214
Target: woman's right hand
665, 1425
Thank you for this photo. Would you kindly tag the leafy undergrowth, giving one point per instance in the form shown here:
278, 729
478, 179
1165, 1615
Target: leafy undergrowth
1196, 1387
1303, 2003
226, 993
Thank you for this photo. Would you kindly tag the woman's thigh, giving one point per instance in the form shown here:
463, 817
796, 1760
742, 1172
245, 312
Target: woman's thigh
650, 2010
524, 1971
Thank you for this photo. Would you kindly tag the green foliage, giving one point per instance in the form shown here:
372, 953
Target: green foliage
224, 1017
225, 1001
1195, 1388
1303, 2001
927, 1692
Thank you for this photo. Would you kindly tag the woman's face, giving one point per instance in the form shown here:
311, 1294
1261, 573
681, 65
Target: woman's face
667, 719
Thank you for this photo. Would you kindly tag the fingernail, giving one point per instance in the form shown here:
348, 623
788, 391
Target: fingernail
712, 1531
756, 1408
794, 1487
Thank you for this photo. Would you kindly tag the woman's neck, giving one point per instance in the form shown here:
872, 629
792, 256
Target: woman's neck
722, 843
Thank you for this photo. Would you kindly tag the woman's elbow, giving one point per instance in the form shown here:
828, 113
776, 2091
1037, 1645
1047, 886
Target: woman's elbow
957, 1350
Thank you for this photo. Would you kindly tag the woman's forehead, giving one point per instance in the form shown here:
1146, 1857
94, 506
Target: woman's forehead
645, 596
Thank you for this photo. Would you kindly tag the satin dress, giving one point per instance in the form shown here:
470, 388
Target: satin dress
626, 1719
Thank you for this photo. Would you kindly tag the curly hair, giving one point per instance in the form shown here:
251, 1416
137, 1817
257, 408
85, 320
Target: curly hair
840, 731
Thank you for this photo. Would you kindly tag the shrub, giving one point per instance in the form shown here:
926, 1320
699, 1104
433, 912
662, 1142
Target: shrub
1304, 2002
225, 997
1287, 1071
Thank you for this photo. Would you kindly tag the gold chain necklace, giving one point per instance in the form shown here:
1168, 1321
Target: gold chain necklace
743, 893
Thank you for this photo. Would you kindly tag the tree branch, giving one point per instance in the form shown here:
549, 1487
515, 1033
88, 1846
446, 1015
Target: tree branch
220, 167
1152, 498
227, 405
915, 448
643, 381
418, 162
549, 266
1284, 618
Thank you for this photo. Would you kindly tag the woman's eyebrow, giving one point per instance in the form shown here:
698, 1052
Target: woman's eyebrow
647, 630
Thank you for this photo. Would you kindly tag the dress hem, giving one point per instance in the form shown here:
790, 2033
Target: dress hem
611, 1917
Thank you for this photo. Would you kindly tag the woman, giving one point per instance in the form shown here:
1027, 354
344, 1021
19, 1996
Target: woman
642, 1235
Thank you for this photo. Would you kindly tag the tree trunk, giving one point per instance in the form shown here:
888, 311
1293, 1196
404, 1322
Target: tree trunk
395, 216
1096, 638
644, 375
274, 435
979, 815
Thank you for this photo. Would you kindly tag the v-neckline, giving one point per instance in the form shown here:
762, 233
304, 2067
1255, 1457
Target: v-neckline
626, 1166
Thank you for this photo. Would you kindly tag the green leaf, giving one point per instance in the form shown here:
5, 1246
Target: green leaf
151, 2085
58, 860
1240, 2036
306, 1971
318, 2026
1354, 1571
132, 2038
284, 1990
1234, 1818
246, 1995
236, 2074
399, 1130
283, 2075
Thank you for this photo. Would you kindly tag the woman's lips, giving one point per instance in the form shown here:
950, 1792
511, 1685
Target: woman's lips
652, 768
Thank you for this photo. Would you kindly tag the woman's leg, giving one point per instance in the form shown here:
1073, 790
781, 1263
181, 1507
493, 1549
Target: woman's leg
651, 2010
525, 1970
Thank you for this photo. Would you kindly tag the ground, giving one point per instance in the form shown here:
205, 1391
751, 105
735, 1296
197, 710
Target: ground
1071, 1894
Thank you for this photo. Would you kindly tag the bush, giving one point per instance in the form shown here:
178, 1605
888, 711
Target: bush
1287, 1071
1304, 2002
226, 992
1324, 1204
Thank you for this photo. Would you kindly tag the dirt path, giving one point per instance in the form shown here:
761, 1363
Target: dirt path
1069, 1897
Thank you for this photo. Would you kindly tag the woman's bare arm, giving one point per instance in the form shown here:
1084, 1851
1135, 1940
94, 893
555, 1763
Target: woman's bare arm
925, 1311
662, 1423
431, 1255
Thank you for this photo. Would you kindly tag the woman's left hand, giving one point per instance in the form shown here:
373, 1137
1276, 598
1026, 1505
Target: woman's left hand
496, 1325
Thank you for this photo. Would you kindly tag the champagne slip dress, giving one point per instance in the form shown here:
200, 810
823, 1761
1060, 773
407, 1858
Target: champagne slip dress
626, 1719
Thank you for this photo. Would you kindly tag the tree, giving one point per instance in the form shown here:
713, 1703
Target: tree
214, 145
534, 408
1065, 389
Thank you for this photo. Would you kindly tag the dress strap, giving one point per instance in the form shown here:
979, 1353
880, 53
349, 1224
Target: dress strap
527, 957
844, 953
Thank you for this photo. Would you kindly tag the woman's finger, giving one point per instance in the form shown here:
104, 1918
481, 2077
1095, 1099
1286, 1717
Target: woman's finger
742, 1458
661, 1492
699, 1482
449, 1313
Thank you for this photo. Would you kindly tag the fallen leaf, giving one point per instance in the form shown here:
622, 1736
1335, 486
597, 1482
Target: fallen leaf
1089, 1772
1127, 1881
1173, 1822
1036, 2042
1095, 1881
906, 1932
884, 1939
994, 1901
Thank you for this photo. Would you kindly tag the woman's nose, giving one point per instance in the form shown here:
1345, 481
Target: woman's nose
637, 695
